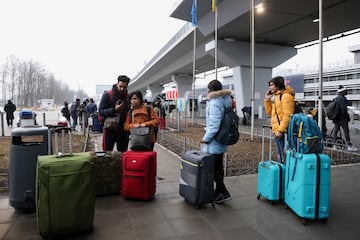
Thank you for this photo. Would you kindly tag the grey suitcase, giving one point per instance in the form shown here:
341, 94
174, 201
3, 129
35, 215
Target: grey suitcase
197, 178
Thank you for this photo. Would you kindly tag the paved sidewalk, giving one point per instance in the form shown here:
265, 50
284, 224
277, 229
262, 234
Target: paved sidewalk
168, 216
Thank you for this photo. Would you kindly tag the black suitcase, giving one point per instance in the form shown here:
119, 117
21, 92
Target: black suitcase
197, 178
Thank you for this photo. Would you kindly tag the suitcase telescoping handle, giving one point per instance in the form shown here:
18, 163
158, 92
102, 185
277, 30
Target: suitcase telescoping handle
51, 129
263, 143
62, 130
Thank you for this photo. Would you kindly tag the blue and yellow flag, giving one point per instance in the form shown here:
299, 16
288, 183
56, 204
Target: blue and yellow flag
213, 5
193, 13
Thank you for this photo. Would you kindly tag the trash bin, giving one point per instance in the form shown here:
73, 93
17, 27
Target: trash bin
26, 144
26, 118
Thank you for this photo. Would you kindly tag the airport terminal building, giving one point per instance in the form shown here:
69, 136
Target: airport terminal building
346, 73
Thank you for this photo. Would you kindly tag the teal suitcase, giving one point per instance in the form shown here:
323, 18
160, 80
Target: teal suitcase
271, 174
65, 196
307, 185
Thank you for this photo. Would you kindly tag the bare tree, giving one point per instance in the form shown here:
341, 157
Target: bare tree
26, 82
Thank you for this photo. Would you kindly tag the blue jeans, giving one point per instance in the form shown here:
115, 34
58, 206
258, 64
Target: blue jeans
280, 145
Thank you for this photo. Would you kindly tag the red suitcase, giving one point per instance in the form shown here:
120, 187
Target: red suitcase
139, 174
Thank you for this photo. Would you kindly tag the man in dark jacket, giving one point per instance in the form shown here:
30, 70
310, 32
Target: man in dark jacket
74, 112
343, 119
65, 111
9, 109
116, 104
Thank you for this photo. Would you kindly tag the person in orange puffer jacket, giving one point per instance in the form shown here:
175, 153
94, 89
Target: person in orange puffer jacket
138, 116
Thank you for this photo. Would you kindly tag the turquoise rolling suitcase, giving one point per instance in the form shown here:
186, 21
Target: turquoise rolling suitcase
271, 174
65, 196
307, 185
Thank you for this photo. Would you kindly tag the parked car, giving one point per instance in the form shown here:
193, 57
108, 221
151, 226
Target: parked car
355, 112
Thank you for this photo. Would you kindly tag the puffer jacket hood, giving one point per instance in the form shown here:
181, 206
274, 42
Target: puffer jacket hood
288, 89
220, 93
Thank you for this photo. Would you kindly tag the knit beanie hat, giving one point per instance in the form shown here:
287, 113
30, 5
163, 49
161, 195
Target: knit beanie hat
341, 89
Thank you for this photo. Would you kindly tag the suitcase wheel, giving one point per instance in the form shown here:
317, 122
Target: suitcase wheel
303, 221
272, 202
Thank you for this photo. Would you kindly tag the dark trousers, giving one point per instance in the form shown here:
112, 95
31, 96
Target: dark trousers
219, 174
344, 125
9, 121
74, 123
121, 138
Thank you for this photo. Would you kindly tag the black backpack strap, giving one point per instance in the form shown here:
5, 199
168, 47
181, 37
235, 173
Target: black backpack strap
148, 111
277, 116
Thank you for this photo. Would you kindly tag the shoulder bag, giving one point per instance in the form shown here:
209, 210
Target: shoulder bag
112, 123
140, 137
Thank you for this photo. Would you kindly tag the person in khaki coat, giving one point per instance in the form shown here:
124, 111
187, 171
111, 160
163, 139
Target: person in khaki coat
280, 111
138, 116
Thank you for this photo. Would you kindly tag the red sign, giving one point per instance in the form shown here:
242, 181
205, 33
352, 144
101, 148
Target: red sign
171, 95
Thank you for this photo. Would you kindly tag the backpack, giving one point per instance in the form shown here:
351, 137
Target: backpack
333, 110
228, 133
304, 134
100, 117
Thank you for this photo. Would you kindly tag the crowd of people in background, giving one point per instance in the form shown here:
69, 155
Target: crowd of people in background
79, 112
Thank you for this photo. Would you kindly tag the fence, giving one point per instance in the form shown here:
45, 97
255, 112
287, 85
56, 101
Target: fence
240, 163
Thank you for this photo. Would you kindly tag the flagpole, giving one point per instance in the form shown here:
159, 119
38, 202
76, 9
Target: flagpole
216, 40
252, 37
320, 106
194, 23
194, 76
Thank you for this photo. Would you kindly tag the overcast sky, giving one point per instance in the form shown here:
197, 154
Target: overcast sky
86, 42
89, 42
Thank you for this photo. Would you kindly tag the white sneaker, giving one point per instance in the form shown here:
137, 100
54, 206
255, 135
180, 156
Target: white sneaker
352, 148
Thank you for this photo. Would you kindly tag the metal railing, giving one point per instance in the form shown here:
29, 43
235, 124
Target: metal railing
241, 163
